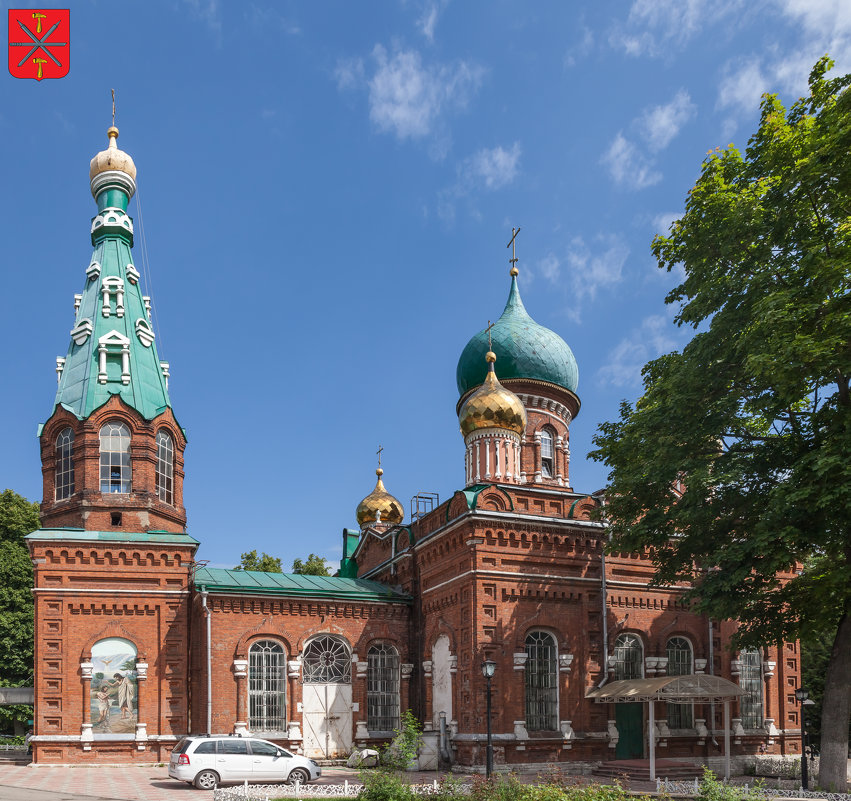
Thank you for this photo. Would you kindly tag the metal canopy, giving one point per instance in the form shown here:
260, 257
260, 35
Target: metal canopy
695, 688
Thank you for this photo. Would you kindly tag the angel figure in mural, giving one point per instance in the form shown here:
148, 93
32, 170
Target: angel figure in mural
123, 689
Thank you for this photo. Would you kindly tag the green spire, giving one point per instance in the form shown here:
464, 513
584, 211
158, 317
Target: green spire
112, 349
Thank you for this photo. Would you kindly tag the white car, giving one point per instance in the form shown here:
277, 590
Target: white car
206, 761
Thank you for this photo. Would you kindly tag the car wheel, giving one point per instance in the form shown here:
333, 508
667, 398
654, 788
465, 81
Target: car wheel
298, 775
206, 780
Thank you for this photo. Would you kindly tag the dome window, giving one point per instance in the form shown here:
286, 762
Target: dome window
165, 468
115, 467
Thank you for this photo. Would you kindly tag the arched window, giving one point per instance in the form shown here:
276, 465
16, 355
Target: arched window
679, 655
541, 682
327, 660
547, 453
267, 687
115, 469
65, 464
382, 688
165, 468
751, 682
629, 657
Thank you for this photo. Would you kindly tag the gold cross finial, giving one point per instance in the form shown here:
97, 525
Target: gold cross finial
512, 244
490, 325
113, 107
380, 448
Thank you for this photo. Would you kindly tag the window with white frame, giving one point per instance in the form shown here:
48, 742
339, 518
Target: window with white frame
541, 681
115, 467
327, 660
679, 653
629, 657
547, 453
751, 682
165, 468
64, 464
267, 687
382, 688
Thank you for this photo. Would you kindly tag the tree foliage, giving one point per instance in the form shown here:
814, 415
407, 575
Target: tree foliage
313, 566
754, 415
251, 561
18, 517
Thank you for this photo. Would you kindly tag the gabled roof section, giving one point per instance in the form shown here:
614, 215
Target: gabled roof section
255, 582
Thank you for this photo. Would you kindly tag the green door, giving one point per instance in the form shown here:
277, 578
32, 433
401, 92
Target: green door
629, 719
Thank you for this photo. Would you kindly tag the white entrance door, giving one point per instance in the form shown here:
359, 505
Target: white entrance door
327, 720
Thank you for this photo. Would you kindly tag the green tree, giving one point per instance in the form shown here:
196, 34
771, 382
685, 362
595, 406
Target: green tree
314, 566
18, 518
754, 415
264, 562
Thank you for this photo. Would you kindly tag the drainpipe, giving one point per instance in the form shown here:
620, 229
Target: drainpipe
604, 597
712, 673
209, 660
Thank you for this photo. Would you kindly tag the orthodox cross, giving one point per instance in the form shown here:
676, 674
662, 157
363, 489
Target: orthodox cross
380, 448
513, 245
113, 107
488, 329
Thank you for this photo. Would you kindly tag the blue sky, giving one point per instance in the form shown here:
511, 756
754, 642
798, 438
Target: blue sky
327, 190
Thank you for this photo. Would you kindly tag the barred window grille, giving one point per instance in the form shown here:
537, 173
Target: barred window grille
629, 657
165, 468
267, 687
65, 464
327, 660
678, 651
382, 688
751, 682
115, 468
547, 453
541, 682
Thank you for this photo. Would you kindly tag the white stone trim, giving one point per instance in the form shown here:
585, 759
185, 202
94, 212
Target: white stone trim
112, 218
86, 669
240, 668
564, 662
164, 366
110, 178
546, 405
93, 270
60, 366
112, 340
141, 670
132, 274
144, 332
78, 300
146, 299
520, 658
112, 285
82, 331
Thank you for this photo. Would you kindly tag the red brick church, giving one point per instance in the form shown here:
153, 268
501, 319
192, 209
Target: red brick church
138, 645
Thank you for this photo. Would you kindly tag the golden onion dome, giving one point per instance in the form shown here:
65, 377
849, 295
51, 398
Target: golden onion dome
112, 158
379, 506
492, 406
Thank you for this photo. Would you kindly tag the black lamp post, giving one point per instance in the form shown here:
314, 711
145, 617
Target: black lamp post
801, 694
488, 669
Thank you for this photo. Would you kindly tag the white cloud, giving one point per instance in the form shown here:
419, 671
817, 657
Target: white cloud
651, 339
580, 50
549, 268
662, 222
589, 271
820, 17
427, 23
628, 166
488, 169
269, 19
742, 85
408, 98
208, 11
660, 124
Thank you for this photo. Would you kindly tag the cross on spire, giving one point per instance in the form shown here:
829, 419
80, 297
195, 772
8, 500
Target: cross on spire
380, 448
113, 107
488, 329
513, 245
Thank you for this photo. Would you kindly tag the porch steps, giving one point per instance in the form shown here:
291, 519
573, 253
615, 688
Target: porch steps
639, 770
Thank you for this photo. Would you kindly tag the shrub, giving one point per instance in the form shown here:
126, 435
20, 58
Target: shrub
402, 751
384, 785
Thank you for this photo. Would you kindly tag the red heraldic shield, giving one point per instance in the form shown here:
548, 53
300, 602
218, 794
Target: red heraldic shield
39, 42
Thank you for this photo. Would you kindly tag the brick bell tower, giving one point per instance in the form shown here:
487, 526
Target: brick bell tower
112, 558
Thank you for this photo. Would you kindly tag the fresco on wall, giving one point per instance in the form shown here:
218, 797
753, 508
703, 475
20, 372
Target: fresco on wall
114, 693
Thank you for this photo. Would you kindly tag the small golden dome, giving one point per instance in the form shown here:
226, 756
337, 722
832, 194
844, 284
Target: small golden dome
492, 406
379, 506
112, 158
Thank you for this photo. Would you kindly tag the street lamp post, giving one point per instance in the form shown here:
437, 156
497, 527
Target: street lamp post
801, 694
488, 669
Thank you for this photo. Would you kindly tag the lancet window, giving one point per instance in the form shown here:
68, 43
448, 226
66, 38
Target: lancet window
115, 467
64, 464
382, 688
547, 453
165, 468
678, 651
267, 687
541, 681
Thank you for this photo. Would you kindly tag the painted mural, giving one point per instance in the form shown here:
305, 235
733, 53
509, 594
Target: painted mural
114, 694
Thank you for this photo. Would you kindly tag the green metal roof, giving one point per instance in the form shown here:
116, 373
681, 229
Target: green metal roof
80, 391
81, 535
256, 582
523, 348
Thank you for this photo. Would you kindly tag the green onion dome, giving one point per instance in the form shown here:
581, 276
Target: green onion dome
526, 350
